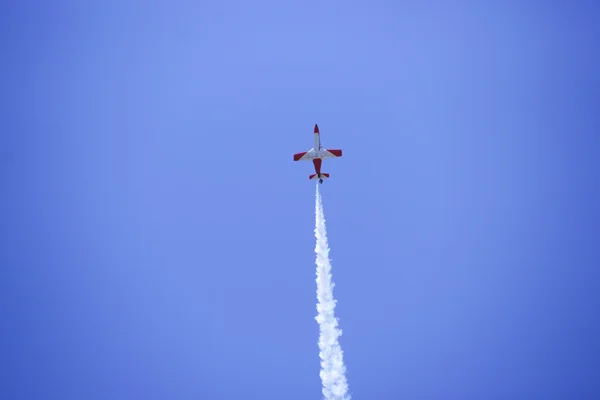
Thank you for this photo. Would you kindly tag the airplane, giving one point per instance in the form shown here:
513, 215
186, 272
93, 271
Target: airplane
317, 154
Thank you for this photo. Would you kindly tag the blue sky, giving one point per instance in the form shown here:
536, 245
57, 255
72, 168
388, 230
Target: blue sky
158, 239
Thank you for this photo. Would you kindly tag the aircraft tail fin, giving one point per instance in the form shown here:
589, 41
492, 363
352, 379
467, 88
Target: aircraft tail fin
324, 175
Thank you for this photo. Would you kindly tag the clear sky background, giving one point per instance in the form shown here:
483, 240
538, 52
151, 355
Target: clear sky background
157, 238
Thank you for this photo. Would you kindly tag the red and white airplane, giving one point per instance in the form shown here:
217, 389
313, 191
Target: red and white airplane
317, 154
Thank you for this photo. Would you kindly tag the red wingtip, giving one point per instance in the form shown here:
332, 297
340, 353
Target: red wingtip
316, 128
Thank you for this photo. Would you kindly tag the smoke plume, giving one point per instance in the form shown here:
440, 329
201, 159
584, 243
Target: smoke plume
333, 371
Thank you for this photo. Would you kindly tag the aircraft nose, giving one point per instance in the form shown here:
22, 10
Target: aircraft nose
316, 128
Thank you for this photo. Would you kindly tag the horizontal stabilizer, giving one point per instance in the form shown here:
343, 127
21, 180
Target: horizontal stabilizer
315, 176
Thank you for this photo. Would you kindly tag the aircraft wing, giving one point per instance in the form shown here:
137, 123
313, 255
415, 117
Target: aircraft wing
331, 153
305, 155
322, 153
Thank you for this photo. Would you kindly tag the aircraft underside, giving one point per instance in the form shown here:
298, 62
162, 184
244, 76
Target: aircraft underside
317, 154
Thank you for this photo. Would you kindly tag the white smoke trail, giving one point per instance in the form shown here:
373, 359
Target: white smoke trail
333, 371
